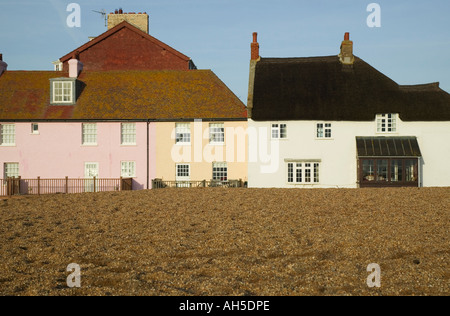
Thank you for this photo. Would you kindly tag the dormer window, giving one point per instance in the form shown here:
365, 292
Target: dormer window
387, 123
62, 91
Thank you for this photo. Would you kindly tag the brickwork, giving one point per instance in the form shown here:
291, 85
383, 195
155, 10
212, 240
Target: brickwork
139, 20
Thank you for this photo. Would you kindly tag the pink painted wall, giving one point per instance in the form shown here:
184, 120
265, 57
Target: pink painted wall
57, 151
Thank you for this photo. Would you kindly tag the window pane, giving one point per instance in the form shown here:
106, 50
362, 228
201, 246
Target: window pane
396, 170
319, 130
299, 174
275, 131
7, 134
382, 170
220, 171
90, 133
368, 170
283, 131
290, 172
217, 133
410, 170
316, 173
327, 130
128, 133
183, 133
11, 170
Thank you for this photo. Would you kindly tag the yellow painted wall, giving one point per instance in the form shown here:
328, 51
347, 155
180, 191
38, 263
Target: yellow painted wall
200, 154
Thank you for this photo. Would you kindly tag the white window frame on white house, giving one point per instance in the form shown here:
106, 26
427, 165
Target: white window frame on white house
303, 172
217, 134
128, 134
128, 169
183, 133
387, 123
183, 175
64, 93
11, 170
35, 129
324, 130
278, 131
220, 171
89, 134
7, 134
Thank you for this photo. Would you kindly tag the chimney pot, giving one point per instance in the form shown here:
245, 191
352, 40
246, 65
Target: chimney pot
1, 57
75, 66
255, 47
120, 11
346, 56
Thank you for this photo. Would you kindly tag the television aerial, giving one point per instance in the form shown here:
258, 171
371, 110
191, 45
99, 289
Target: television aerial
103, 13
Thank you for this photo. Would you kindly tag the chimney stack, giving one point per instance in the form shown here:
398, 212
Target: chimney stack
75, 66
346, 55
255, 47
139, 20
3, 65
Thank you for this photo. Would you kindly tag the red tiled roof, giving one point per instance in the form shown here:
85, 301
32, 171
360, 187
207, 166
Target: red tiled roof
117, 95
116, 29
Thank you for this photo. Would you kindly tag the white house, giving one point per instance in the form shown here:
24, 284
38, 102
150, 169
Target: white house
335, 121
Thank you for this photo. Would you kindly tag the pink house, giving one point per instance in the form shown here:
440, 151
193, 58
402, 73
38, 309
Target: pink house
99, 115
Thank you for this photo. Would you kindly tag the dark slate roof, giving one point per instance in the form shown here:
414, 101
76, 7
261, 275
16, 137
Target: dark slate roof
387, 147
121, 95
321, 88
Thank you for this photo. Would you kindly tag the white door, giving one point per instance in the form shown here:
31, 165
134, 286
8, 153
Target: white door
183, 175
91, 172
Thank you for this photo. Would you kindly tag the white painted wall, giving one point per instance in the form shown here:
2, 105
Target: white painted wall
338, 155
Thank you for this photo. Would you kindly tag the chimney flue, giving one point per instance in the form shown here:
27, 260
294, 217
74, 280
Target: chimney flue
346, 55
255, 47
75, 66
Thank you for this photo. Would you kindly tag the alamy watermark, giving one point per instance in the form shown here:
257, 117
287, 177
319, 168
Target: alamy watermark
74, 279
374, 278
374, 18
226, 144
74, 18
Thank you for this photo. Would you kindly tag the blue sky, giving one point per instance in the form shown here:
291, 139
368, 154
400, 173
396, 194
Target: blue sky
412, 46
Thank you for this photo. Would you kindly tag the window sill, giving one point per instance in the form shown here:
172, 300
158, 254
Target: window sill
324, 138
8, 145
183, 144
89, 145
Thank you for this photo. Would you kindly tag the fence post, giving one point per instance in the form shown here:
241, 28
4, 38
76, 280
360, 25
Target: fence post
18, 185
8, 187
67, 185
121, 184
95, 189
39, 185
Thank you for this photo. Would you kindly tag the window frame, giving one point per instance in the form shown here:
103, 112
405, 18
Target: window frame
278, 128
386, 121
326, 130
6, 166
129, 167
213, 127
128, 134
220, 171
84, 134
376, 180
183, 129
9, 134
298, 172
65, 93
33, 130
